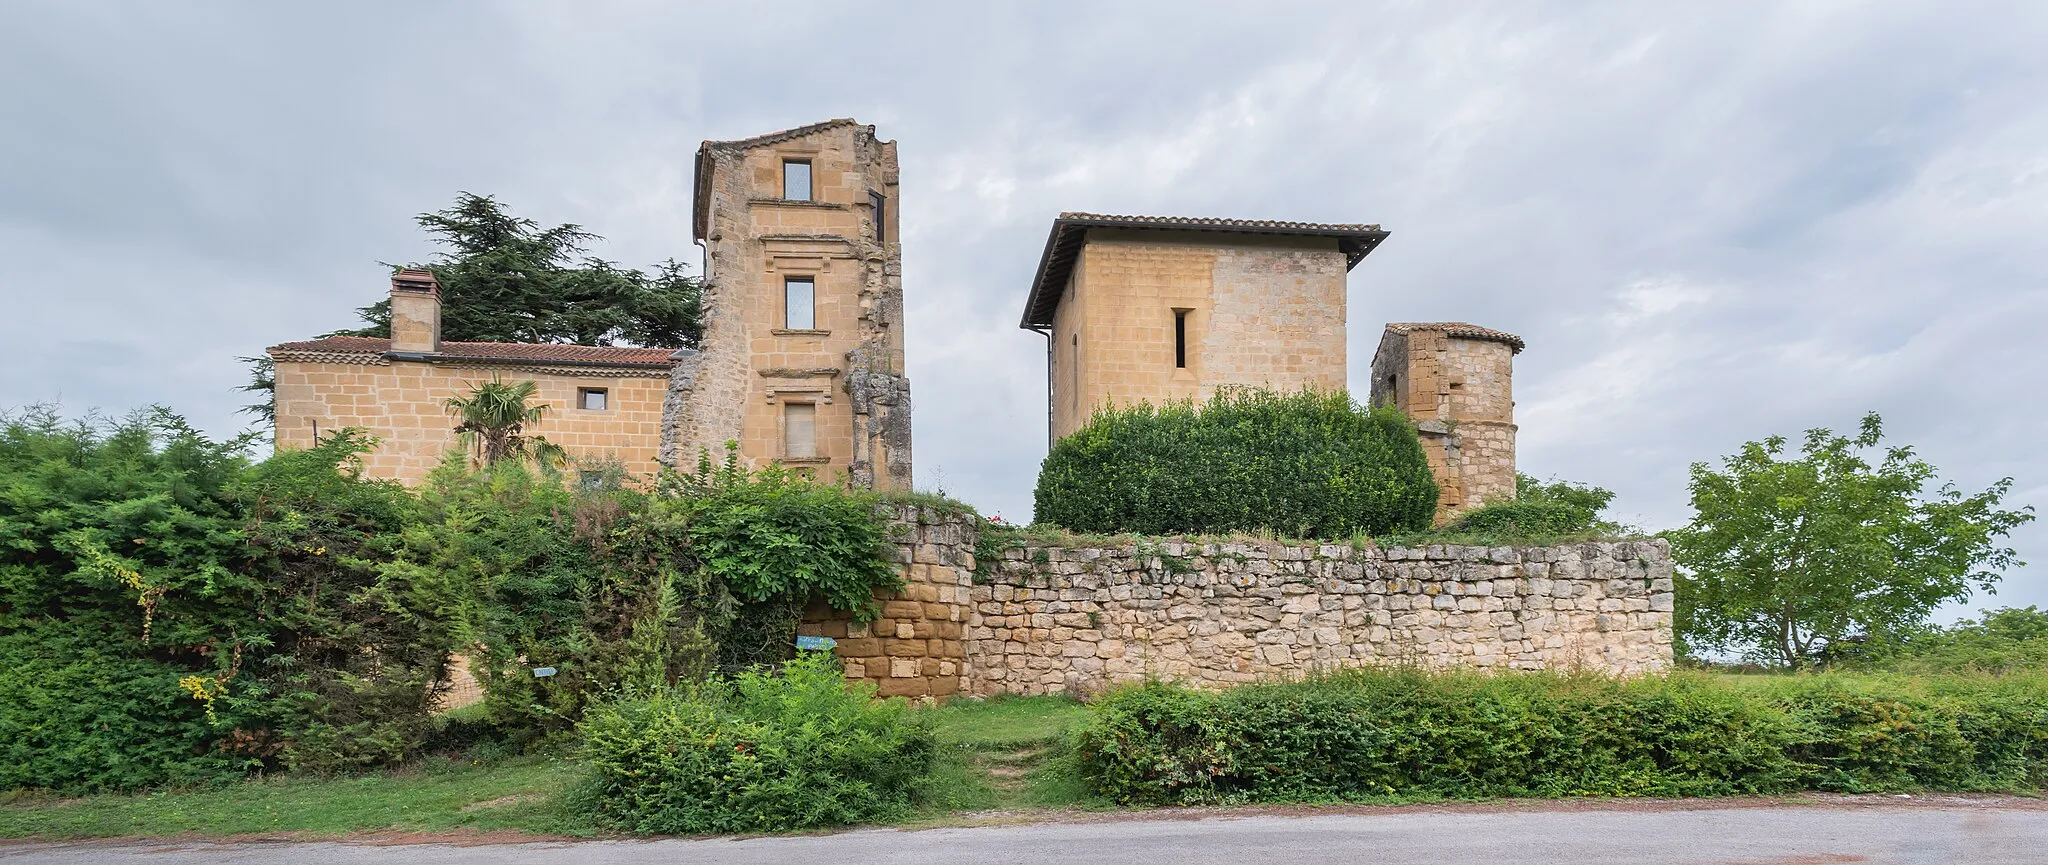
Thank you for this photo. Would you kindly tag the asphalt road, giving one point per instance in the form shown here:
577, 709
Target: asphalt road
1979, 833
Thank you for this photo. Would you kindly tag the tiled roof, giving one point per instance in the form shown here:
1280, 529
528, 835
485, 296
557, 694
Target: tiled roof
512, 352
784, 135
1201, 222
1070, 233
1461, 329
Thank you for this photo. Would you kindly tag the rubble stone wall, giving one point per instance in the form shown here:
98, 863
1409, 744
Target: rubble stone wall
1047, 618
1054, 619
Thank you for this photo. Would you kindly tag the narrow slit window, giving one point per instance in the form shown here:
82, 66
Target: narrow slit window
800, 430
796, 179
592, 398
875, 202
1180, 339
799, 298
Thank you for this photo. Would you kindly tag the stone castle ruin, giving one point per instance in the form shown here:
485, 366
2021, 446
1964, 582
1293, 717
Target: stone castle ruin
802, 363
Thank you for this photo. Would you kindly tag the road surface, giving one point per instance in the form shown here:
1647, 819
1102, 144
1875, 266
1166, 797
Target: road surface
1978, 832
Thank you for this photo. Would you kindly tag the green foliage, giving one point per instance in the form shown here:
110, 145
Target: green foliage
1786, 558
1367, 734
1999, 641
493, 415
1309, 464
170, 614
757, 752
505, 279
1540, 510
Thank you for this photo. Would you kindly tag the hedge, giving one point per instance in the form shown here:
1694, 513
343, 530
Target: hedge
1307, 464
1378, 734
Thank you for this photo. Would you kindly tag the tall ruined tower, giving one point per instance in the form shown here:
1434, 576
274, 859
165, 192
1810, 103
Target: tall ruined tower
1456, 381
802, 356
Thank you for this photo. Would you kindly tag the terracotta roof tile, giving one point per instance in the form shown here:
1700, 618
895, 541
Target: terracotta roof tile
1070, 233
1459, 328
504, 351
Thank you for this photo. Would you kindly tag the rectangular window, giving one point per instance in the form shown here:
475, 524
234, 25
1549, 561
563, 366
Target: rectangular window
875, 203
1180, 338
800, 430
799, 298
592, 398
796, 179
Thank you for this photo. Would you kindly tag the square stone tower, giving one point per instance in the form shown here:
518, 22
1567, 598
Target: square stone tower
802, 357
1456, 381
1143, 308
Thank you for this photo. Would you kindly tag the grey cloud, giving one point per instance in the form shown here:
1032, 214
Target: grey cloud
1711, 223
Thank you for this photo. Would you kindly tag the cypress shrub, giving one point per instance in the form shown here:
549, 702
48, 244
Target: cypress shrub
1308, 464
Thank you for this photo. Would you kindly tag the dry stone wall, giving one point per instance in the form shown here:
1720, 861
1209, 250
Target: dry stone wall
1054, 619
1059, 618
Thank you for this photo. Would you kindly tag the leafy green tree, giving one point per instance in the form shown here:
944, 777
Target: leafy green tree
504, 278
1785, 557
494, 417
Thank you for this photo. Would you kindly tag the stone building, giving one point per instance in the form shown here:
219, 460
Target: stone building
1457, 381
1140, 308
603, 402
801, 361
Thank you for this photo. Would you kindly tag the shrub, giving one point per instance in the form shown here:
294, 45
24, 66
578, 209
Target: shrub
1309, 464
170, 614
1540, 511
756, 752
1378, 733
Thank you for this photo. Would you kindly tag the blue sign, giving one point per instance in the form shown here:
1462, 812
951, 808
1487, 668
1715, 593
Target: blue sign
543, 672
819, 644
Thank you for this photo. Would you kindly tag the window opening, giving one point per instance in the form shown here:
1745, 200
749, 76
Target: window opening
800, 430
1180, 338
592, 398
799, 303
796, 179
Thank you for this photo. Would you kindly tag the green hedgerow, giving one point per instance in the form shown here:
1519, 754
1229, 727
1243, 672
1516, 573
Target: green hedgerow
760, 751
1365, 734
1307, 464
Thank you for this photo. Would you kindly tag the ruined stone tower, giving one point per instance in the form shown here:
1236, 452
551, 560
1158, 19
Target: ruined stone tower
1456, 381
802, 356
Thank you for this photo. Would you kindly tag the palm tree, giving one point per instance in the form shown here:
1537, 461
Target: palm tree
493, 416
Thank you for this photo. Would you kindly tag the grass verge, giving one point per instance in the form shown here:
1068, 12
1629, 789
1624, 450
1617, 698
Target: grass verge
439, 795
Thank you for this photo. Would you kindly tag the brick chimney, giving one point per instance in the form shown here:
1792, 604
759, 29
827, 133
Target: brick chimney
415, 311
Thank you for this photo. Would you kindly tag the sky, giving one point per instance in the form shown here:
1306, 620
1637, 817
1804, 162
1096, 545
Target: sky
1711, 222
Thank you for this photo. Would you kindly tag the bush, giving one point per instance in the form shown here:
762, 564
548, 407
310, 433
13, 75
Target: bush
1539, 511
1998, 641
1308, 464
171, 614
756, 752
1374, 733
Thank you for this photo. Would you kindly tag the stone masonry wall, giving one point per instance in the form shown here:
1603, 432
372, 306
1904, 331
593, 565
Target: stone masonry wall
914, 649
1053, 619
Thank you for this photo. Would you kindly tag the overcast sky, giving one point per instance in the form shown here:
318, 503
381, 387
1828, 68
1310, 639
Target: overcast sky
1712, 222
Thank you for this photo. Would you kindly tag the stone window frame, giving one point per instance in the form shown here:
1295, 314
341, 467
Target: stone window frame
789, 326
808, 161
603, 394
805, 397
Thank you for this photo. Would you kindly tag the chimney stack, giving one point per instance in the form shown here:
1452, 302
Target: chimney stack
415, 311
